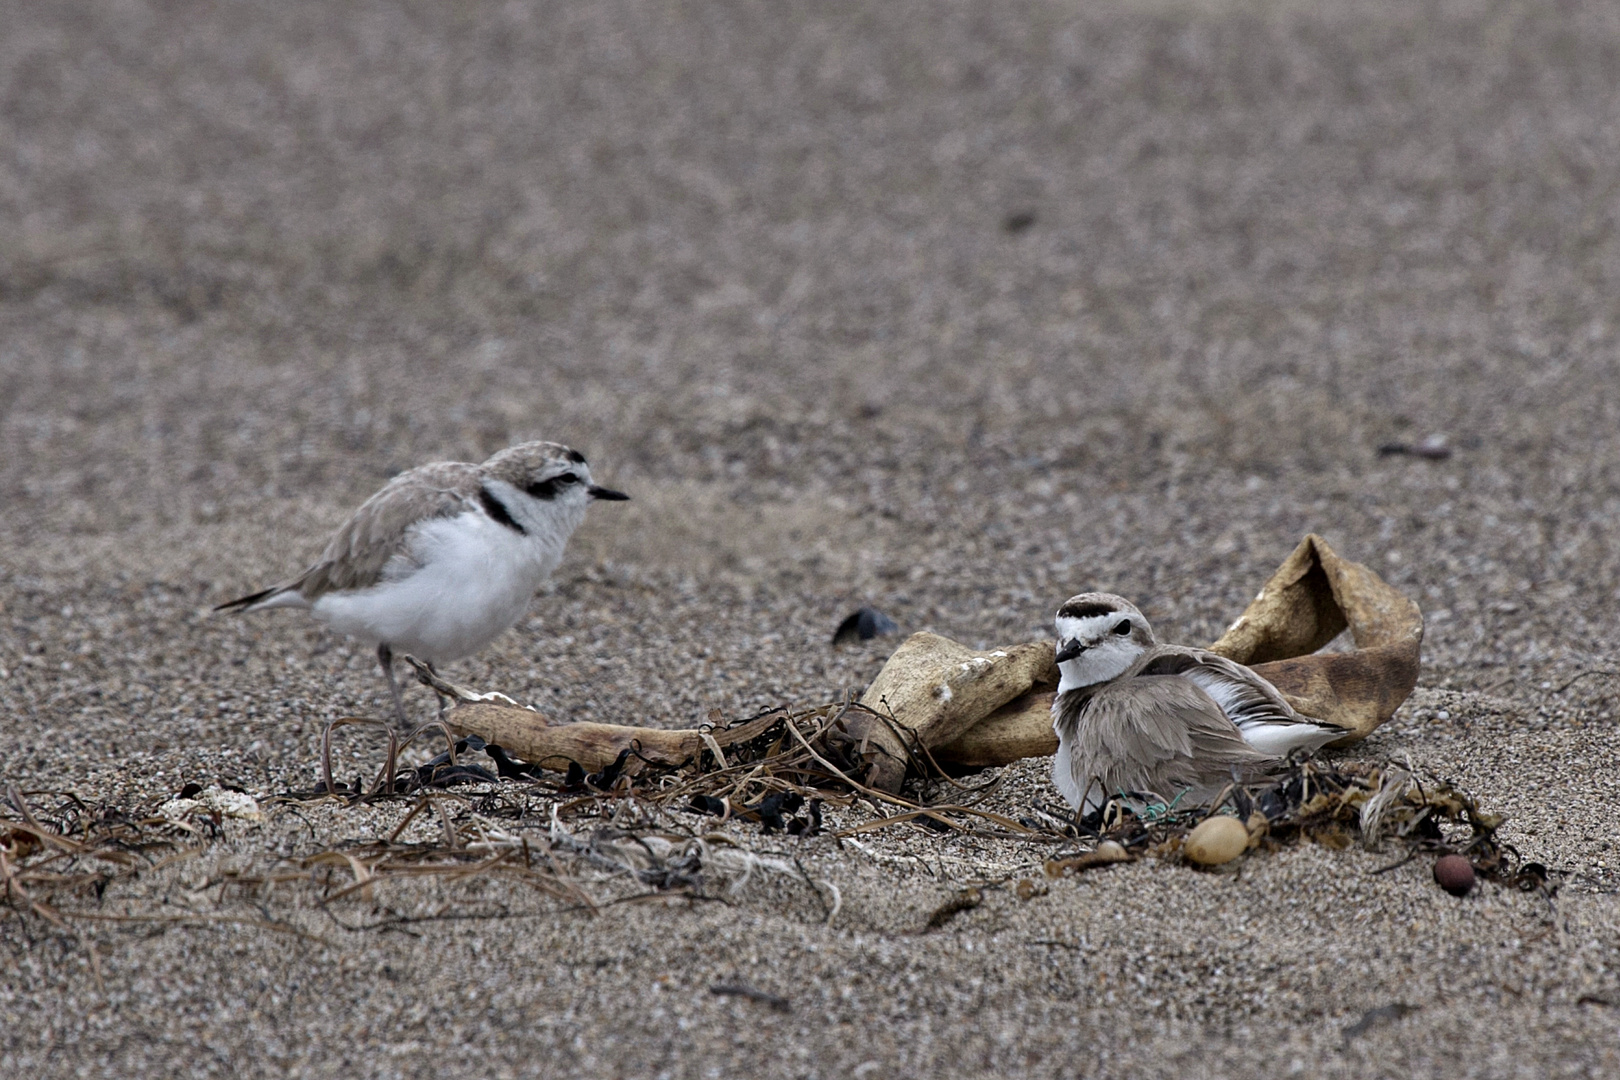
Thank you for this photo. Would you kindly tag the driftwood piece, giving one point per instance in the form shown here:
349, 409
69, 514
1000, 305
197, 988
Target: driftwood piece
1311, 598
1019, 729
933, 689
530, 736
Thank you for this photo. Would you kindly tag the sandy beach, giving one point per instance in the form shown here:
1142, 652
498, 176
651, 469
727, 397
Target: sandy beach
955, 310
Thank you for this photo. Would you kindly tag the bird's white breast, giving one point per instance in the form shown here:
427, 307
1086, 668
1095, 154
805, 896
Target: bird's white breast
460, 582
1068, 784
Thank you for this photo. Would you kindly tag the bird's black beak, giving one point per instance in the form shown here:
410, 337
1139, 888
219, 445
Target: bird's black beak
1068, 650
606, 493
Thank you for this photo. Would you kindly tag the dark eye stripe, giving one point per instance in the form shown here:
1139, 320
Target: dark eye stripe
547, 489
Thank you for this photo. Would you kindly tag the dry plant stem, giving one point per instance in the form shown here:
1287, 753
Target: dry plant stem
451, 840
936, 813
877, 796
830, 767
1584, 674
421, 804
184, 920
35, 828
13, 885
384, 775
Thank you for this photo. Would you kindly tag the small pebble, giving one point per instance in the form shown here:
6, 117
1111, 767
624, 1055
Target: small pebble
1216, 840
1455, 874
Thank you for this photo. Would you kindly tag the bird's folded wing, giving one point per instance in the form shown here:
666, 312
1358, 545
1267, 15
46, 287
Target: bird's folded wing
363, 546
1245, 697
1155, 718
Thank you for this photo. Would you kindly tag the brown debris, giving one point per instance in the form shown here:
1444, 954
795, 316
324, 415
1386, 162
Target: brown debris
933, 690
965, 900
531, 735
1106, 853
1334, 806
938, 702
743, 990
1310, 600
1313, 596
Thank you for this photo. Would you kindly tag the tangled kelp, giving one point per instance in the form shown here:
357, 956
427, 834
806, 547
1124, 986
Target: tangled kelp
1333, 804
581, 853
795, 762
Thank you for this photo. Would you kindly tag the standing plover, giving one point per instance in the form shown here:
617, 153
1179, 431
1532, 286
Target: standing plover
1132, 715
445, 556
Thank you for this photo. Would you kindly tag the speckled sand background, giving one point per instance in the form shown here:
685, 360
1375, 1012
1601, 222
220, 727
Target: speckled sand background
761, 262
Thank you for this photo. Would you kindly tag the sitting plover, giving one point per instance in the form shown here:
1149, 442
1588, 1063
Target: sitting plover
1135, 716
445, 556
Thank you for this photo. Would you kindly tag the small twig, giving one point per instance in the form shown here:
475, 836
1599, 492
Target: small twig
1396, 865
936, 813
386, 775
1373, 1017
422, 804
54, 839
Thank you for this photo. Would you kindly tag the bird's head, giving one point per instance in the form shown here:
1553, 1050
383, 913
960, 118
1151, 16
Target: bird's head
1099, 636
544, 486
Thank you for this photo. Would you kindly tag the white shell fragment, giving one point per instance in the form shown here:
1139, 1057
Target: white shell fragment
225, 803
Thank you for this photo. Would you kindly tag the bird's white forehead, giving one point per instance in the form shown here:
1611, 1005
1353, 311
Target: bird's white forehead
1085, 629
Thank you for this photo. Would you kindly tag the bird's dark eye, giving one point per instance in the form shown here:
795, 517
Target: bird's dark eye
1123, 628
567, 478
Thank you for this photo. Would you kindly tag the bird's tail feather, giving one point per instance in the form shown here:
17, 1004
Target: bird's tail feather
265, 598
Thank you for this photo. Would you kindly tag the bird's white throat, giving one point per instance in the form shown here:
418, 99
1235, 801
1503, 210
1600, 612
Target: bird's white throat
1108, 659
548, 522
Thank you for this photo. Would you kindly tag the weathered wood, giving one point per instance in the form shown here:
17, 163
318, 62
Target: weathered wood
1019, 729
532, 737
935, 689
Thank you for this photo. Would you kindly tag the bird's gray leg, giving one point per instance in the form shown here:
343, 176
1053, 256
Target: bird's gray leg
385, 657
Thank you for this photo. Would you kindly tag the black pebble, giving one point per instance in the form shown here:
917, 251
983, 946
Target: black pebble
864, 624
1017, 221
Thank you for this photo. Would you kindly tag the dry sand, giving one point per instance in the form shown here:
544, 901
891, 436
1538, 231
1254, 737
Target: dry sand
956, 309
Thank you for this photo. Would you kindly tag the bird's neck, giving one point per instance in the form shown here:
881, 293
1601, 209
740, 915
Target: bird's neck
1099, 665
1067, 708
